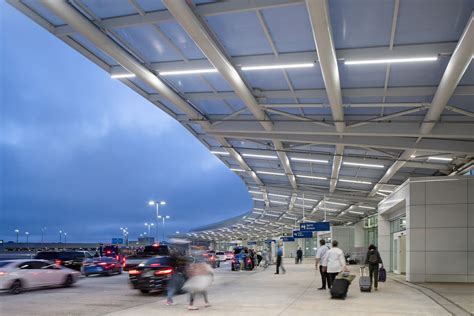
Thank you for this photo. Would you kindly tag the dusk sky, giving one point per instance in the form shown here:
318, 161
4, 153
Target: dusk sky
82, 152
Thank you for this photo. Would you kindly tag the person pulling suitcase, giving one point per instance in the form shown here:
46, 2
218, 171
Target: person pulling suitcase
373, 260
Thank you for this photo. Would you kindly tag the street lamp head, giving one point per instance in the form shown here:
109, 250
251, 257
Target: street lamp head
146, 224
167, 216
60, 231
177, 232
17, 230
159, 216
163, 203
152, 224
27, 233
151, 203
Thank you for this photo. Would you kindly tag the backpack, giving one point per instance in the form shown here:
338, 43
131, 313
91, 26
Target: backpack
373, 258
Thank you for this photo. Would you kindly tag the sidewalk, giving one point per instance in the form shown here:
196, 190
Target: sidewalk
294, 293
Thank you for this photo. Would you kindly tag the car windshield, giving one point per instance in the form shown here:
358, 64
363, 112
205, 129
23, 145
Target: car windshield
47, 255
4, 263
219, 253
154, 262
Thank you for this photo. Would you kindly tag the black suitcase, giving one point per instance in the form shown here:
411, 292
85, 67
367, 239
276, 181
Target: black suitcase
339, 288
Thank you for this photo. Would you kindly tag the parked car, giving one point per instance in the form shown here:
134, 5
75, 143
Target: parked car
25, 274
229, 255
102, 266
131, 262
68, 259
221, 256
153, 274
211, 258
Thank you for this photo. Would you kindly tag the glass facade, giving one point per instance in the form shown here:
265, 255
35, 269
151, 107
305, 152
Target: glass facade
397, 225
371, 230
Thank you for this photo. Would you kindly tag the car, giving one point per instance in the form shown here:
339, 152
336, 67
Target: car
68, 259
25, 274
102, 266
229, 255
154, 274
211, 258
221, 256
131, 262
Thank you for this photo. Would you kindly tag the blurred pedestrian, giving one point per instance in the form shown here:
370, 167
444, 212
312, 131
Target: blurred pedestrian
200, 279
176, 280
279, 263
322, 263
336, 262
373, 259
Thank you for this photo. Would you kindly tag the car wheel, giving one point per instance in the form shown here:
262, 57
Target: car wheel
145, 291
68, 281
16, 287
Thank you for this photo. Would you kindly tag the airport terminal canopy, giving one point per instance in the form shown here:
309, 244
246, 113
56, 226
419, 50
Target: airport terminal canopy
321, 107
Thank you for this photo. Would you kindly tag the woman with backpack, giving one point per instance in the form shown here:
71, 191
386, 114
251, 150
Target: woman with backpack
373, 260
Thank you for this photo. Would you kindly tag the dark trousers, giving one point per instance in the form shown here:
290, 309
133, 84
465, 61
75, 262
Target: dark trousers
299, 259
374, 275
192, 295
279, 265
324, 277
331, 278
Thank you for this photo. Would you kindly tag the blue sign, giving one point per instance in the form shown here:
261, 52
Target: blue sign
287, 239
302, 234
315, 227
117, 241
251, 243
269, 241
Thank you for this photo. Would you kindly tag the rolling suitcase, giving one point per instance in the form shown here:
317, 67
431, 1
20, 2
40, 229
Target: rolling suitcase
364, 280
339, 288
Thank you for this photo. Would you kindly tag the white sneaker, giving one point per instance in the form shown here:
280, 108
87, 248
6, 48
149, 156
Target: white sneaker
193, 308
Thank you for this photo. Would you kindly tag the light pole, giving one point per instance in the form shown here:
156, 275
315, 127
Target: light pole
17, 231
60, 235
157, 205
65, 237
149, 227
163, 218
27, 241
42, 235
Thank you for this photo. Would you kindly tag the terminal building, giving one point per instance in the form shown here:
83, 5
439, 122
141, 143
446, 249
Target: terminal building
360, 115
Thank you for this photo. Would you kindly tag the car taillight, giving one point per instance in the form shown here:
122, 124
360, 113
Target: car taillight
249, 261
102, 263
58, 262
2, 273
124, 262
164, 271
134, 272
155, 265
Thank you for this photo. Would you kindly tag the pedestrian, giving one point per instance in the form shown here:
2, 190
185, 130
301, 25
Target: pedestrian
201, 276
336, 262
279, 263
373, 259
176, 280
299, 255
321, 261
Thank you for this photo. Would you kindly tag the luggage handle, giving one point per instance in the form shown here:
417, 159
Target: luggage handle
363, 271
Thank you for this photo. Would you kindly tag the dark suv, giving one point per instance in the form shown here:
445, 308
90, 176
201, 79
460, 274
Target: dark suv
68, 259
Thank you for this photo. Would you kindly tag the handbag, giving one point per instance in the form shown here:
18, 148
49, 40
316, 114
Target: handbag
382, 274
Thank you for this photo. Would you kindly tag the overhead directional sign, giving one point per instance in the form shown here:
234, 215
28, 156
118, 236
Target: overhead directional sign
315, 226
251, 243
302, 234
269, 241
287, 239
117, 241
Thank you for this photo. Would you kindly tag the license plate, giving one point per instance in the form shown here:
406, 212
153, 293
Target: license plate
148, 274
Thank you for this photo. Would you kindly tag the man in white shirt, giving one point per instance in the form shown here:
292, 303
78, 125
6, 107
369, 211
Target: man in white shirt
321, 261
336, 262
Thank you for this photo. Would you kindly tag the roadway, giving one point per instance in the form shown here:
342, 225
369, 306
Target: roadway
235, 293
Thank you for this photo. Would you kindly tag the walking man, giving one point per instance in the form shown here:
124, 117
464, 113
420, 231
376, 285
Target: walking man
322, 263
299, 255
279, 263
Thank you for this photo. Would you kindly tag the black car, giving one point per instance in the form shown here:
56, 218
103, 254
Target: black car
69, 259
154, 274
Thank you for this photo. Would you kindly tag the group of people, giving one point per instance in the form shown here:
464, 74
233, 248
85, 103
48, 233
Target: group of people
331, 261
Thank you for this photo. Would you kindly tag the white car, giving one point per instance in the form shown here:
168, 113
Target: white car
19, 275
221, 256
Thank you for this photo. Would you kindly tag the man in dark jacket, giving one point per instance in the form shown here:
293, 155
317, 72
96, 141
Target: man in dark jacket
373, 260
299, 255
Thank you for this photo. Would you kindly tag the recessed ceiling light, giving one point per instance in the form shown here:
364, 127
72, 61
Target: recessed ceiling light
255, 192
385, 191
187, 72
335, 203
311, 177
271, 173
308, 160
260, 156
307, 199
356, 212
367, 165
281, 66
120, 76
389, 61
223, 153
237, 170
440, 158
366, 207
355, 181
278, 202
278, 195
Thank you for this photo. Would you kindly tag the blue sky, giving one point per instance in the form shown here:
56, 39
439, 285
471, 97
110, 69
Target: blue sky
82, 152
